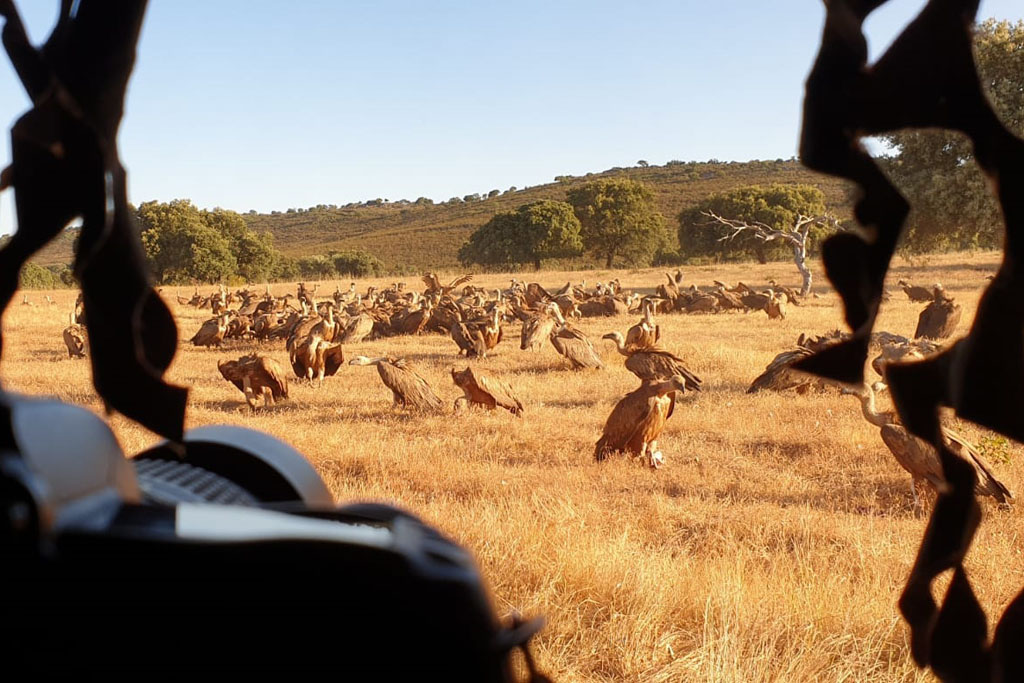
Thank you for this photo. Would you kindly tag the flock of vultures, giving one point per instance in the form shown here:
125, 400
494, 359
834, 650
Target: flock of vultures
315, 331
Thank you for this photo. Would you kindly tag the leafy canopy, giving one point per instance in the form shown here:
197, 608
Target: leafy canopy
777, 206
618, 220
540, 230
184, 244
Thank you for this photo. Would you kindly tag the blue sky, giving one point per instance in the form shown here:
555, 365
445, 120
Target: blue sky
250, 104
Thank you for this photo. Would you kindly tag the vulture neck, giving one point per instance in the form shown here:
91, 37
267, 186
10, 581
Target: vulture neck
620, 343
867, 406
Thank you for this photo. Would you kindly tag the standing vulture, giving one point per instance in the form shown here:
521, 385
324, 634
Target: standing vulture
484, 391
775, 307
74, 338
574, 346
646, 332
939, 319
916, 293
637, 419
539, 327
256, 376
920, 459
409, 389
316, 357
653, 364
469, 340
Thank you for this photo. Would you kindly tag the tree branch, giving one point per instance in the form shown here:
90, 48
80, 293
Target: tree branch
796, 235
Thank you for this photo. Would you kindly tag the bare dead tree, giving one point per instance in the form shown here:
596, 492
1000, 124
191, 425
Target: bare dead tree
795, 237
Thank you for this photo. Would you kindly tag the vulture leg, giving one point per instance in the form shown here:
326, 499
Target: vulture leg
655, 458
461, 404
913, 492
268, 397
250, 395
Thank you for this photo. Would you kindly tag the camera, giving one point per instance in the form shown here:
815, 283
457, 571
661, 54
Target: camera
225, 554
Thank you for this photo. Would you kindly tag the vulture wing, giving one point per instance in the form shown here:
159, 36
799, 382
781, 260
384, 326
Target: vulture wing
657, 365
780, 375
575, 346
914, 455
334, 358
411, 389
987, 483
502, 393
274, 376
462, 279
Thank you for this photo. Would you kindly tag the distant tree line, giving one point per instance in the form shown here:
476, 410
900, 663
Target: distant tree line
184, 245
614, 220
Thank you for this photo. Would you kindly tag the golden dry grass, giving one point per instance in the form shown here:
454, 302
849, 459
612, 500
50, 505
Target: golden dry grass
771, 547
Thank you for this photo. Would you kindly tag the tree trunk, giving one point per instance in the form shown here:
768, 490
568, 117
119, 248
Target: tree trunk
536, 264
800, 258
762, 258
608, 261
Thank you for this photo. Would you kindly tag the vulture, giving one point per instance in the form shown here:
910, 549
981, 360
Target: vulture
939, 319
645, 332
919, 458
212, 332
702, 303
491, 332
788, 292
74, 338
408, 388
239, 326
327, 326
668, 291
653, 364
484, 391
574, 346
357, 329
469, 340
728, 300
536, 294
415, 321
916, 293
80, 309
751, 299
896, 349
316, 357
637, 419
539, 327
256, 376
780, 375
775, 307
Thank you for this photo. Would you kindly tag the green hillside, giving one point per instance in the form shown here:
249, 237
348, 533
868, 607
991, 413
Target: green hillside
414, 236
408, 236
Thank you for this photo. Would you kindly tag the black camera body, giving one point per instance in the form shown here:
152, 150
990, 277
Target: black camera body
229, 556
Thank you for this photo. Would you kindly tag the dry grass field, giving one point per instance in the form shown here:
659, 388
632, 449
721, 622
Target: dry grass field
772, 545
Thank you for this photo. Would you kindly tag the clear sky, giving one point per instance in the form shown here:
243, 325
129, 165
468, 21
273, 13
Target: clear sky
251, 104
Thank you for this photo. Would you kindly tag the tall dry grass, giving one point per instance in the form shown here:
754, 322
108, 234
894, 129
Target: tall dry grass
771, 547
